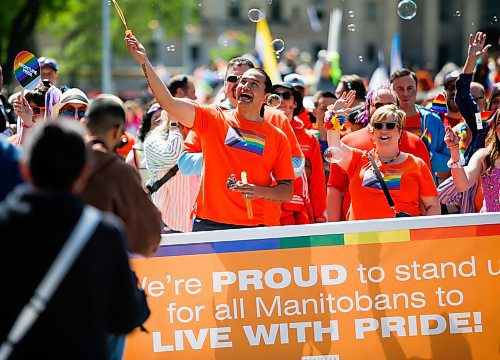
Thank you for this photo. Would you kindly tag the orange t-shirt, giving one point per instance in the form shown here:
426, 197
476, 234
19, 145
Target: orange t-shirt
232, 144
406, 182
414, 125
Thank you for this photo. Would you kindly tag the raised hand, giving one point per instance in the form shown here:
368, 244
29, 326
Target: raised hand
344, 102
476, 45
23, 109
450, 138
136, 49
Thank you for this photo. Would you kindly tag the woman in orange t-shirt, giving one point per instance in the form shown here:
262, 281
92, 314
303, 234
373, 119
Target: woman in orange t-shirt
407, 177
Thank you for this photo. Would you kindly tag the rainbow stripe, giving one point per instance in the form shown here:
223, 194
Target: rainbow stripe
392, 180
245, 140
27, 70
439, 104
427, 136
485, 116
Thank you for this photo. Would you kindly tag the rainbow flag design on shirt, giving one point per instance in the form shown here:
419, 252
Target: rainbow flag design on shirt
392, 180
245, 140
439, 104
426, 136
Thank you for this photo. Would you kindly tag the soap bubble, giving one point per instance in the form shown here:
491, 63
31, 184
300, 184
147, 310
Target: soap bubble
494, 20
407, 9
278, 45
351, 27
273, 100
458, 13
255, 15
333, 155
360, 58
269, 2
350, 13
170, 47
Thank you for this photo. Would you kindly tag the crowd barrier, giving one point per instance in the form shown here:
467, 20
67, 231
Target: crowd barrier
411, 288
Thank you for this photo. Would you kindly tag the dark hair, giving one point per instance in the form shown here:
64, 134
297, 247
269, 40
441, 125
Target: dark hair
144, 126
403, 72
55, 153
354, 82
493, 142
103, 114
323, 94
177, 82
240, 61
494, 93
268, 86
37, 95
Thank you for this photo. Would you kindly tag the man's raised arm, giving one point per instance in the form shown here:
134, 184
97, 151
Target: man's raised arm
180, 109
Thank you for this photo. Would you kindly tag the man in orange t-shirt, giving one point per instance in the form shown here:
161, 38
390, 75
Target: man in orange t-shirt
232, 142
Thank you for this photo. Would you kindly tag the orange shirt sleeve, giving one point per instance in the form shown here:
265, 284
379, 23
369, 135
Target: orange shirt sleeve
426, 187
283, 167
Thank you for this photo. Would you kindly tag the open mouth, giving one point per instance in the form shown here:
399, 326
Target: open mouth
384, 138
245, 97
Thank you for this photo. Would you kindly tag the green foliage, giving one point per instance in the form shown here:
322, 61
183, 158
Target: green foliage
231, 44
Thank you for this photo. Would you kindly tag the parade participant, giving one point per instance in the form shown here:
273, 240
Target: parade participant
232, 142
494, 99
9, 167
484, 164
305, 115
452, 116
322, 99
115, 186
48, 69
36, 222
7, 118
421, 121
72, 105
408, 178
308, 204
338, 196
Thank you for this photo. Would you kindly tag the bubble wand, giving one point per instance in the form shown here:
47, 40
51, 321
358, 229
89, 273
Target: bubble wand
117, 7
244, 180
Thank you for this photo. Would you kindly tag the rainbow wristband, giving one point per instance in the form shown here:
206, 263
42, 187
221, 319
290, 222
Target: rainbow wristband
334, 121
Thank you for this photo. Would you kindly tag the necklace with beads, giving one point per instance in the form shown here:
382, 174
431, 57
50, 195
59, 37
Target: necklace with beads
390, 160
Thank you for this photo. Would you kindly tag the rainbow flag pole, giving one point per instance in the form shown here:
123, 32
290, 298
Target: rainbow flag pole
264, 48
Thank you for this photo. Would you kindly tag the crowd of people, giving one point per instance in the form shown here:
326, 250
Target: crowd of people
245, 160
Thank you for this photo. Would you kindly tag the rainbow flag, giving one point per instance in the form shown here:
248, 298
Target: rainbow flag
245, 140
485, 116
439, 104
426, 136
392, 180
265, 52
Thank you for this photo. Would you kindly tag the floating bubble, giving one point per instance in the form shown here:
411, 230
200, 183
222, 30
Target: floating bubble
170, 47
494, 20
278, 45
109, 3
407, 9
255, 15
351, 27
458, 13
350, 13
360, 58
333, 155
273, 100
269, 2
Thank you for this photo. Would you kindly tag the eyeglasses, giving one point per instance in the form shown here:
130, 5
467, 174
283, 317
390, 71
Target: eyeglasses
37, 110
233, 78
379, 104
478, 98
388, 125
284, 95
71, 113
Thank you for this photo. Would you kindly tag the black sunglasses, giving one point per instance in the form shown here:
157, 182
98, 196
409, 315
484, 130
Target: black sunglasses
379, 104
388, 125
284, 95
37, 110
71, 113
233, 78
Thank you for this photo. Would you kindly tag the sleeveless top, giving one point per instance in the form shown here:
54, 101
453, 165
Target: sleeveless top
491, 190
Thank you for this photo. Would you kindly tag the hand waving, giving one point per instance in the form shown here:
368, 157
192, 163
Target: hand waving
476, 45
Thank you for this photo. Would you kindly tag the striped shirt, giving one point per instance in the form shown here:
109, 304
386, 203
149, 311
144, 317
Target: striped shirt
175, 199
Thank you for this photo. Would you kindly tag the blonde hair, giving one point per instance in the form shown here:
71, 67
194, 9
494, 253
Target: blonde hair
382, 113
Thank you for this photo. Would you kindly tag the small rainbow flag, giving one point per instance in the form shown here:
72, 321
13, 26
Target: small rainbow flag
27, 70
485, 116
427, 137
245, 140
439, 104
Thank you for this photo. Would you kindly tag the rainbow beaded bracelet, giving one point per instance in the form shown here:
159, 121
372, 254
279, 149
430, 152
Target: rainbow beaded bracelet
334, 121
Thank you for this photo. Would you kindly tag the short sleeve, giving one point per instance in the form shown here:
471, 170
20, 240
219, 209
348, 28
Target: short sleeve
283, 167
356, 156
427, 187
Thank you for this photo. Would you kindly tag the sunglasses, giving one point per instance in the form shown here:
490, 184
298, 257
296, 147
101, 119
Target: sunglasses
379, 104
233, 78
388, 125
71, 113
284, 95
37, 110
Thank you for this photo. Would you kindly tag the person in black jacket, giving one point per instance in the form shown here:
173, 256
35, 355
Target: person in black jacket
98, 296
7, 116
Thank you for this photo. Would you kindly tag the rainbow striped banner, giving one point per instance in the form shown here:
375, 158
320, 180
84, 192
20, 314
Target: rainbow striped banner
245, 140
27, 70
439, 104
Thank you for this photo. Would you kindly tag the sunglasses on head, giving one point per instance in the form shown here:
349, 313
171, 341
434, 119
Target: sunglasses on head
379, 104
37, 110
284, 95
233, 78
71, 113
388, 125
